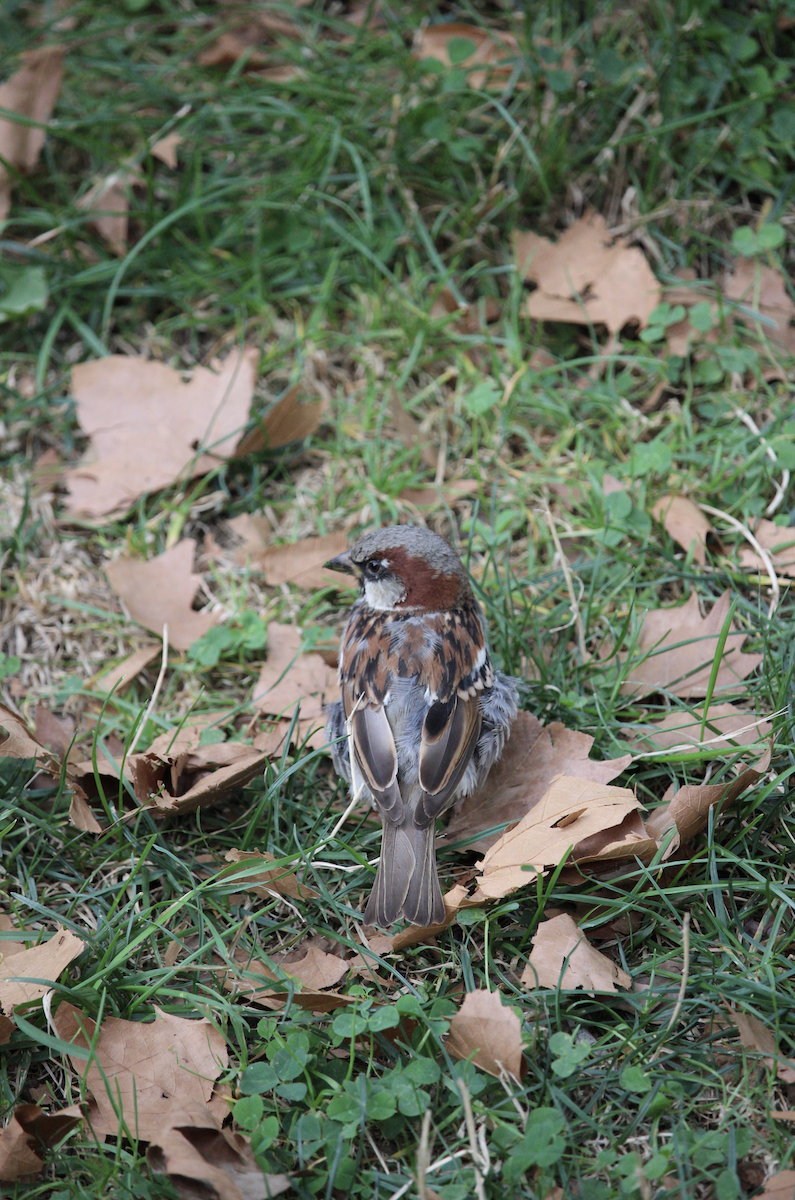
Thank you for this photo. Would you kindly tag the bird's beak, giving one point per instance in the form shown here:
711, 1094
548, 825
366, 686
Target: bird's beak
341, 563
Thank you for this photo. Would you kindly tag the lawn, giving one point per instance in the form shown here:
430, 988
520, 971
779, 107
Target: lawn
526, 280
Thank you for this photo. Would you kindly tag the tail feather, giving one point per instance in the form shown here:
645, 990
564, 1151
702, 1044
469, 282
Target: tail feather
406, 882
424, 904
395, 870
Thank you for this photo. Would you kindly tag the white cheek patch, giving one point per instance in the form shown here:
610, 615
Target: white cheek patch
384, 594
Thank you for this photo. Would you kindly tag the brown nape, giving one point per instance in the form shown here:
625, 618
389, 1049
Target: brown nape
425, 588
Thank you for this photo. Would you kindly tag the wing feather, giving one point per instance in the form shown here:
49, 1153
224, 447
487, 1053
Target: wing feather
445, 755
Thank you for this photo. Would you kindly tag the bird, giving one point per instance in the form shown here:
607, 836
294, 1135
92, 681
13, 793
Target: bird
427, 712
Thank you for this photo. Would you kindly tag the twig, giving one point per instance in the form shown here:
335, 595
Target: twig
155, 694
566, 569
474, 1149
424, 1155
685, 972
760, 550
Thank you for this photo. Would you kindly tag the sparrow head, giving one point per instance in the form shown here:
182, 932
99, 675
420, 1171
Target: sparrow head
406, 568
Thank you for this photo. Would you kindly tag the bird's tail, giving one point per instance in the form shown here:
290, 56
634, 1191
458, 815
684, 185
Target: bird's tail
406, 882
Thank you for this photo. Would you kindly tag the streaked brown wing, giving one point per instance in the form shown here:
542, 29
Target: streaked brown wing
376, 756
445, 751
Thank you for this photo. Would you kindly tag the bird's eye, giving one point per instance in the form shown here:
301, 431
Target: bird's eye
375, 568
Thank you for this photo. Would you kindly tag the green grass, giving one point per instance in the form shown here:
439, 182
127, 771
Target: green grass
318, 220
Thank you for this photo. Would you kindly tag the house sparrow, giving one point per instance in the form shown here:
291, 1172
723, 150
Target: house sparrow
429, 716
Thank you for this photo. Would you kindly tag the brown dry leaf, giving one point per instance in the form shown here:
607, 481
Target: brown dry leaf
30, 1130
559, 941
31, 93
119, 678
288, 676
56, 733
21, 742
756, 1036
203, 1160
780, 1186
161, 591
271, 879
682, 729
489, 1032
7, 946
532, 758
301, 563
149, 426
107, 205
411, 434
46, 961
229, 49
81, 815
685, 522
496, 53
763, 290
436, 497
571, 811
688, 809
584, 279
177, 774
681, 645
165, 149
250, 973
288, 420
152, 1068
415, 935
779, 541
316, 969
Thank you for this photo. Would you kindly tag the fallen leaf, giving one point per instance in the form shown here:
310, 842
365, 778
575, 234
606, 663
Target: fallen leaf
150, 427
436, 497
56, 733
300, 563
31, 93
119, 678
316, 969
584, 279
779, 540
250, 973
754, 1035
107, 206
415, 935
494, 52
533, 756
688, 808
271, 879
680, 645
30, 1130
780, 1186
410, 433
46, 961
685, 522
228, 49
488, 1032
203, 1160
763, 290
560, 941
727, 728
288, 676
177, 774
147, 1070
165, 149
21, 742
570, 811
81, 814
161, 592
288, 420
7, 945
